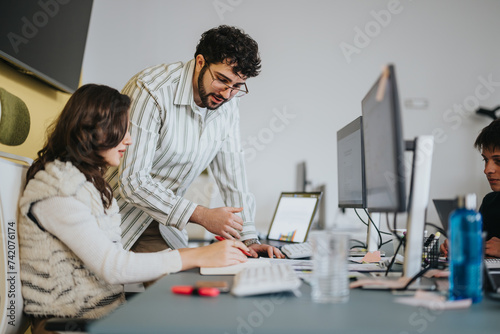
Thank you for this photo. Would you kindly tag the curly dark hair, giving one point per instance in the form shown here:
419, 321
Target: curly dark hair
489, 137
94, 119
231, 46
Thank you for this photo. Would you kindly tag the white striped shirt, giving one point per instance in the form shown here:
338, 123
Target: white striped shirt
172, 145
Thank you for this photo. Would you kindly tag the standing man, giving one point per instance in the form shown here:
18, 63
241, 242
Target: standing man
184, 118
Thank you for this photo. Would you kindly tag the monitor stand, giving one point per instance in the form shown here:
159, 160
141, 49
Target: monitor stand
422, 148
417, 207
372, 238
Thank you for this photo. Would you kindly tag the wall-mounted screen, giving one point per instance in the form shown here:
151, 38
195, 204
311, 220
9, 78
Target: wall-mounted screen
46, 39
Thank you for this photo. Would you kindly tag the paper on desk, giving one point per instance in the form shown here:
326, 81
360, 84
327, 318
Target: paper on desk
307, 265
234, 269
380, 282
364, 267
438, 273
433, 301
371, 257
303, 268
296, 263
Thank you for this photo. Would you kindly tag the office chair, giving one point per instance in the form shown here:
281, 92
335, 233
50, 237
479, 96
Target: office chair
13, 170
12, 177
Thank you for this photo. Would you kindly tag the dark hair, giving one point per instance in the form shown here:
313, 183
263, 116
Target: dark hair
489, 137
95, 118
231, 46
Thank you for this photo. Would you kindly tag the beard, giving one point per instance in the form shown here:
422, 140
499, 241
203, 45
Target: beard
204, 96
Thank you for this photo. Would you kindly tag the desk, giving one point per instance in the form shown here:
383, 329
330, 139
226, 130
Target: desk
157, 310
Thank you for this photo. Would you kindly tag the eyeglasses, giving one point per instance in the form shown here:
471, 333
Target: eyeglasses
221, 86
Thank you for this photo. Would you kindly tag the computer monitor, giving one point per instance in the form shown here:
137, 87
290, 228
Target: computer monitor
385, 177
351, 177
384, 146
350, 166
302, 181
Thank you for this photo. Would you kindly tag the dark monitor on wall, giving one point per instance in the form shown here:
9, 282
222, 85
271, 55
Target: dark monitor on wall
350, 166
384, 146
46, 39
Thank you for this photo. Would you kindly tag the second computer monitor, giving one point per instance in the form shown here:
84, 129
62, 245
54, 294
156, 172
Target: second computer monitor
384, 146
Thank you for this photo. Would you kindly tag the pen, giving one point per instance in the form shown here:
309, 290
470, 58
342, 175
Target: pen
243, 251
189, 290
436, 239
429, 240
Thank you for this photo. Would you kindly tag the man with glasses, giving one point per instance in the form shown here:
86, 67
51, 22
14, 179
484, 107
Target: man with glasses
184, 118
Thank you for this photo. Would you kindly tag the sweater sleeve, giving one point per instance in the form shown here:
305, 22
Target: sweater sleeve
72, 223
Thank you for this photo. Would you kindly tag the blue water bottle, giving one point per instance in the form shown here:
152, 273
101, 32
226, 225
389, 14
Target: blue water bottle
466, 251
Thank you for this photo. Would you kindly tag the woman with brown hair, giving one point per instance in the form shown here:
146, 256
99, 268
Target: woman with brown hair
72, 261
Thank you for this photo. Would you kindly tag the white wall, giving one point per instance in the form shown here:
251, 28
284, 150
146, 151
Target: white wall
442, 50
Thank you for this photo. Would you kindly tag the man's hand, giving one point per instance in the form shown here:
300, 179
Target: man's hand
492, 247
444, 248
270, 251
221, 221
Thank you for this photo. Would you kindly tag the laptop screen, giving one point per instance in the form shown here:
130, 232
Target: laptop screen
293, 216
443, 208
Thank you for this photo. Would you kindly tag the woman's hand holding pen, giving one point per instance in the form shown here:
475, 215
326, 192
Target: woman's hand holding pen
218, 254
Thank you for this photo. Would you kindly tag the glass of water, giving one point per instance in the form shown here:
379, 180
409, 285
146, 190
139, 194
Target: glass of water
330, 276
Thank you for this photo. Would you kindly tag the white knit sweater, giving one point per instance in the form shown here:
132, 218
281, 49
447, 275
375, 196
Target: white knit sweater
72, 262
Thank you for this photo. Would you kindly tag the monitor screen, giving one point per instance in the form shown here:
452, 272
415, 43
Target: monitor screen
46, 39
350, 165
384, 146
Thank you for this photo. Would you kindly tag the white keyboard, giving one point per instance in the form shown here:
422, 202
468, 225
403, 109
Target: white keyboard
492, 263
266, 279
296, 251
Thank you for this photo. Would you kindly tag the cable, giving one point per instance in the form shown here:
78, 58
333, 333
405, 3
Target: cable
386, 242
362, 244
414, 278
376, 228
357, 214
401, 242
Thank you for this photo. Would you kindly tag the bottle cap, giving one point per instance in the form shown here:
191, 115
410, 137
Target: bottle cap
468, 201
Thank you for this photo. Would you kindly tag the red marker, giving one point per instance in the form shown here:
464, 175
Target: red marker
189, 290
243, 251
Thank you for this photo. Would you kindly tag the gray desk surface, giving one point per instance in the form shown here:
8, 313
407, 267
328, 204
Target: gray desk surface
157, 310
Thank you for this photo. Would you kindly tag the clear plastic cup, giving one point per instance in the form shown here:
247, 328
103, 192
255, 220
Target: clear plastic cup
330, 276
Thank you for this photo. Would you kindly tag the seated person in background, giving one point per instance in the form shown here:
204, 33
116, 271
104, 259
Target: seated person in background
488, 143
72, 260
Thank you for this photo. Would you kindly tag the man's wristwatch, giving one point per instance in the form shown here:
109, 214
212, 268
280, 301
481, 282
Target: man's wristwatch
251, 242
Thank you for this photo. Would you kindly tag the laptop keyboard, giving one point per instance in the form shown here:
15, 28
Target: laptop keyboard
492, 263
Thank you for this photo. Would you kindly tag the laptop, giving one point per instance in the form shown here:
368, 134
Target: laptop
293, 217
492, 279
444, 207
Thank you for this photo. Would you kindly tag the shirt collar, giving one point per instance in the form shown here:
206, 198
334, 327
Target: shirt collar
184, 93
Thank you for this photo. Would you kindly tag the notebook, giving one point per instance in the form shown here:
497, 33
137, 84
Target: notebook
444, 207
293, 217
